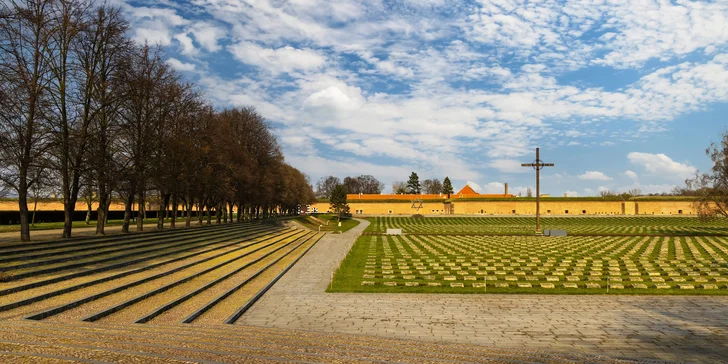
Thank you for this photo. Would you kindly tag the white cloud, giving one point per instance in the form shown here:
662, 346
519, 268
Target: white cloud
476, 187
508, 166
188, 48
571, 193
594, 176
413, 83
181, 66
285, 59
154, 25
333, 99
208, 35
661, 165
499, 188
631, 175
588, 191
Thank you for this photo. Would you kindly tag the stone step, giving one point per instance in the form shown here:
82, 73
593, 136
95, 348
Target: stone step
123, 240
182, 290
42, 266
35, 283
82, 306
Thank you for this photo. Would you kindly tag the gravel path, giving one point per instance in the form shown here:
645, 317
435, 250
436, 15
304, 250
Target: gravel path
678, 328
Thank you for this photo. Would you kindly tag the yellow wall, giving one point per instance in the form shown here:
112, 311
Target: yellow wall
494, 207
80, 206
665, 208
56, 206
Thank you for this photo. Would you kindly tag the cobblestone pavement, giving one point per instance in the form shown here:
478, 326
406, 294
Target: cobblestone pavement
676, 328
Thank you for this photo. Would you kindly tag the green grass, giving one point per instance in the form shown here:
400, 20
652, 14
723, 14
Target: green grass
312, 222
596, 225
511, 260
76, 225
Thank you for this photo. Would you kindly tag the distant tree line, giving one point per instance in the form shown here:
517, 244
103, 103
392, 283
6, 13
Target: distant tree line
364, 184
429, 186
85, 111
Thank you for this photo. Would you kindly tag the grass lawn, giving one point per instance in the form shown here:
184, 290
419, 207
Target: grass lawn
76, 224
674, 265
525, 225
313, 221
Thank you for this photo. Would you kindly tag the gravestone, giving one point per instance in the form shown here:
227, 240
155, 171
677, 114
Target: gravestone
394, 231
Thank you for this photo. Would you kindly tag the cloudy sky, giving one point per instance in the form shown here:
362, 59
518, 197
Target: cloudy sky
619, 94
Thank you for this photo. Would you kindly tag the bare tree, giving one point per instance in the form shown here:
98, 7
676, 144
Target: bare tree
25, 28
711, 189
529, 192
432, 186
370, 185
102, 50
326, 185
399, 187
606, 193
352, 185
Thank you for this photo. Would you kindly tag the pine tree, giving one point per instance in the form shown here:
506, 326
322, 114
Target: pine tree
413, 185
447, 187
338, 200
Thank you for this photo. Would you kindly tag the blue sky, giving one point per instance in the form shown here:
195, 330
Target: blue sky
618, 94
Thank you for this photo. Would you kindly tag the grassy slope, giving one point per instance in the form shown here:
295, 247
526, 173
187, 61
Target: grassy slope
76, 225
346, 223
349, 276
521, 225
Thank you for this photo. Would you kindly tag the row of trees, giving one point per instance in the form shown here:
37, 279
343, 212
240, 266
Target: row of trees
365, 184
82, 106
428, 186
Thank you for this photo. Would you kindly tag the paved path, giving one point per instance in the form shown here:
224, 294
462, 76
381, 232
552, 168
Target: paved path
686, 328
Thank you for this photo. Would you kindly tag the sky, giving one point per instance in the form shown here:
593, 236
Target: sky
618, 94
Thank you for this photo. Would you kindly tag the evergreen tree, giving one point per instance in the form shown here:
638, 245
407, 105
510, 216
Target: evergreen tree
338, 200
413, 185
447, 187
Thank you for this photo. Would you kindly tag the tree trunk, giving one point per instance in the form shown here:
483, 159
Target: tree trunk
200, 211
240, 212
127, 212
142, 212
101, 211
88, 210
163, 203
35, 208
173, 221
188, 218
209, 215
23, 206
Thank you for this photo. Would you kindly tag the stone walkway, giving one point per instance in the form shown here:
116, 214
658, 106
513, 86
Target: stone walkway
676, 328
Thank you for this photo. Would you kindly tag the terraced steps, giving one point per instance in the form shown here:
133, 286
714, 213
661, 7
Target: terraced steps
35, 250
83, 286
177, 343
197, 249
24, 270
165, 278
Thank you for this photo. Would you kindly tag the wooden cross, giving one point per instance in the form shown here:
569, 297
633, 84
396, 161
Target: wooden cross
538, 164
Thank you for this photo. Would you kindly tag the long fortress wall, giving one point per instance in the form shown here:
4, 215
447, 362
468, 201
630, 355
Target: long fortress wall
467, 207
561, 207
